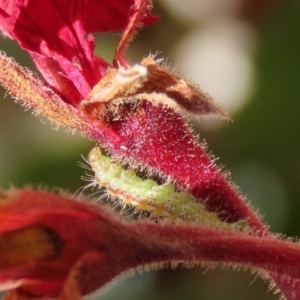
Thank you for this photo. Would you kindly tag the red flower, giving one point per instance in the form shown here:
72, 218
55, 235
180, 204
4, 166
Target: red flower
51, 245
56, 34
65, 58
147, 128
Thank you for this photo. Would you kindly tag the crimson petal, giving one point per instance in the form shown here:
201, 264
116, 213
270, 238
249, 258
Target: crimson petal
55, 34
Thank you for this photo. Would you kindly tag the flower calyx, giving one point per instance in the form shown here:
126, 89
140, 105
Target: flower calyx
150, 80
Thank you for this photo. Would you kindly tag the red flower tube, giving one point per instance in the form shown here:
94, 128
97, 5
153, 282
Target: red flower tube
55, 246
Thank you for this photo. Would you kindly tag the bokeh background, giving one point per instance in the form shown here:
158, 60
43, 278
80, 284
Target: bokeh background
246, 54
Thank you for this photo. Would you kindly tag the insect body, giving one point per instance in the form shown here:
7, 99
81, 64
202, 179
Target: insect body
162, 201
145, 195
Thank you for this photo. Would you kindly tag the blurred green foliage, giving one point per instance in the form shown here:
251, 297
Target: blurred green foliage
261, 149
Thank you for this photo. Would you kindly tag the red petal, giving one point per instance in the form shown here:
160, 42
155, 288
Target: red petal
138, 15
55, 33
91, 245
157, 137
65, 218
160, 139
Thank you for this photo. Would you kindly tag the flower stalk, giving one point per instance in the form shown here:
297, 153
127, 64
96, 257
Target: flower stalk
82, 241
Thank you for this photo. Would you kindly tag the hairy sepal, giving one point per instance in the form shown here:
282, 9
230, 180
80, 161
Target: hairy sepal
152, 81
